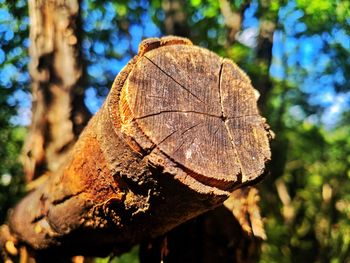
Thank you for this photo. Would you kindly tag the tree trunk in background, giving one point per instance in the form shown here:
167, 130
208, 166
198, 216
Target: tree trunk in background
58, 110
175, 22
264, 57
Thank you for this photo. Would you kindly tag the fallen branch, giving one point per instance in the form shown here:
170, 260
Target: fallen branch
179, 131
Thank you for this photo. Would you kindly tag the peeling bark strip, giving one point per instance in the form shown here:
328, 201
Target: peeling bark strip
178, 132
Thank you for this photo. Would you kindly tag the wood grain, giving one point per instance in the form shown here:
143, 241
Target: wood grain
200, 111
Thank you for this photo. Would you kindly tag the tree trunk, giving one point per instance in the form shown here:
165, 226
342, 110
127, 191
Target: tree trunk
264, 58
59, 112
175, 22
165, 147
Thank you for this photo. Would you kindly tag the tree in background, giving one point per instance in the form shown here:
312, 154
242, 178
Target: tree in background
296, 54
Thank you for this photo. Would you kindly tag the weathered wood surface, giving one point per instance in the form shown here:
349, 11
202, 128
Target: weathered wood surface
179, 131
182, 98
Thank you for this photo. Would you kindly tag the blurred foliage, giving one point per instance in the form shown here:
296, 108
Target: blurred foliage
130, 257
306, 197
13, 85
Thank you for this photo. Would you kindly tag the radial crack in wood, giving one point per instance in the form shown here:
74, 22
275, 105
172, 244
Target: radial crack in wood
171, 88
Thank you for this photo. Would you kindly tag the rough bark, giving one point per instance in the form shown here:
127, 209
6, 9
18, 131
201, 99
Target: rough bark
56, 69
179, 131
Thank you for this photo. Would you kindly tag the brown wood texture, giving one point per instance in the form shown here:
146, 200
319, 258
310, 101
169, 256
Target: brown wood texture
200, 110
179, 131
56, 70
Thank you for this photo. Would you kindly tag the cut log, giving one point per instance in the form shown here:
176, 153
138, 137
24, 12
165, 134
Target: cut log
179, 131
